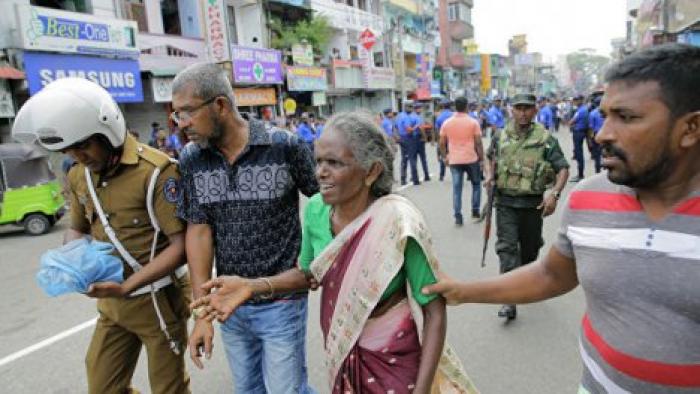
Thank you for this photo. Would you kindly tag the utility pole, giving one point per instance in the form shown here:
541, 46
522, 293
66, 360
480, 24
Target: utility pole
403, 62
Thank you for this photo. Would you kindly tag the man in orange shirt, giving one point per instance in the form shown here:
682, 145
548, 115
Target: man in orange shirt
460, 135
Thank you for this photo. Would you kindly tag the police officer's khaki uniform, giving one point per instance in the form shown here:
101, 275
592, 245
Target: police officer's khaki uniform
125, 324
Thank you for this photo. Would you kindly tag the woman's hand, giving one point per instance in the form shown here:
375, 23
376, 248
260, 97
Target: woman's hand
227, 293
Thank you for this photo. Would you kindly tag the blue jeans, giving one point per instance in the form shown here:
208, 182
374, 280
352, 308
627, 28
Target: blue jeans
266, 347
473, 172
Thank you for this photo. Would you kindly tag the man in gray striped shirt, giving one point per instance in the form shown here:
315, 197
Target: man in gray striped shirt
631, 239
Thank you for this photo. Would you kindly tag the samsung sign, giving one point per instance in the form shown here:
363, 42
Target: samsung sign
121, 77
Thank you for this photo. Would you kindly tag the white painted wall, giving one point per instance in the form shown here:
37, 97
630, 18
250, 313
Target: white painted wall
106, 8
250, 24
154, 17
9, 36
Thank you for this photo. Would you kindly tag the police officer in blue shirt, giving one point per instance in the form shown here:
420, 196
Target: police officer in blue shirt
484, 114
419, 135
473, 113
579, 128
306, 132
555, 114
495, 116
444, 114
545, 116
388, 123
595, 123
407, 143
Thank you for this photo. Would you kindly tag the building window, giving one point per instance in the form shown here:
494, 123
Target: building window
465, 13
379, 59
362, 4
232, 33
171, 17
66, 5
459, 12
354, 55
135, 10
456, 47
452, 12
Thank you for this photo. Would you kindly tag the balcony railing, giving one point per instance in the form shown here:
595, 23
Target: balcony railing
162, 51
342, 16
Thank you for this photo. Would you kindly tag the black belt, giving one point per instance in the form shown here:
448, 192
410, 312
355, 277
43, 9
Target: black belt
257, 300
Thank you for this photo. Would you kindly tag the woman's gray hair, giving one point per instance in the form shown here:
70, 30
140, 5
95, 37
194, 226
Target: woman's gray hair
368, 144
208, 80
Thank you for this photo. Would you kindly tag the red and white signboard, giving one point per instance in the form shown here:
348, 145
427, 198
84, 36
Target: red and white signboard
215, 29
367, 39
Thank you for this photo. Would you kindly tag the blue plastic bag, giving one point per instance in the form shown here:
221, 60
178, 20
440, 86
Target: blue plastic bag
76, 265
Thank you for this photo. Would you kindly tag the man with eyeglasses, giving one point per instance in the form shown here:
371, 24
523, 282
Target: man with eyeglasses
240, 196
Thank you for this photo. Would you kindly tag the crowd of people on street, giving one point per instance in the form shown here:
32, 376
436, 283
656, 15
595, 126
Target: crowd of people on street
629, 237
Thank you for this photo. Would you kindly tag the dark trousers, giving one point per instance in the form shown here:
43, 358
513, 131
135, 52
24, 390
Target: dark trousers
579, 138
519, 232
557, 122
408, 157
596, 153
420, 152
442, 163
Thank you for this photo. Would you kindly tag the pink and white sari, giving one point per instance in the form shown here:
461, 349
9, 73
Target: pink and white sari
381, 354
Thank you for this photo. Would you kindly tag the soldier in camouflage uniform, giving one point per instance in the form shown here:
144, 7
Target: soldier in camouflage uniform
524, 161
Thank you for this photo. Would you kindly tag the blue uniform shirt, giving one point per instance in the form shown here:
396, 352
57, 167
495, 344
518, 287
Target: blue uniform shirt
474, 115
388, 126
415, 120
305, 132
595, 121
581, 118
442, 117
544, 117
401, 123
496, 118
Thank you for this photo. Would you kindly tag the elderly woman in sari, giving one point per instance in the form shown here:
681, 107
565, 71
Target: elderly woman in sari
370, 251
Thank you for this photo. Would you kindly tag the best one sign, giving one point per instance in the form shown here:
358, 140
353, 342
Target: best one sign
45, 29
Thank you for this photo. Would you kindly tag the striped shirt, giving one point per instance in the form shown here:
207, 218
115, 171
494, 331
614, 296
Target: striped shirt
641, 279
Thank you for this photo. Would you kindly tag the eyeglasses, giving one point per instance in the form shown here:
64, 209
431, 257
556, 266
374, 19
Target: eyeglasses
185, 116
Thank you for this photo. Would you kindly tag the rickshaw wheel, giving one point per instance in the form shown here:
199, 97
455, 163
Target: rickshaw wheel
36, 224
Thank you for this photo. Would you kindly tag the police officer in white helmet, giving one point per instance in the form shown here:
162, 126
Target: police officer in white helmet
122, 192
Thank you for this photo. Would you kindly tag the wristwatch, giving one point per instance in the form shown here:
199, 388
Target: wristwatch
556, 194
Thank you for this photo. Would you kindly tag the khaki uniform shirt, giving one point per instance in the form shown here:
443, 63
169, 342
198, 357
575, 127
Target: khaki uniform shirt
122, 194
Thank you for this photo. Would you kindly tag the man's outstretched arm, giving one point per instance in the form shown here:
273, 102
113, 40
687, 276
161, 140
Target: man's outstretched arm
552, 276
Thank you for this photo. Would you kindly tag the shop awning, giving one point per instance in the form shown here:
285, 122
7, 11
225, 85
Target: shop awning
165, 72
8, 72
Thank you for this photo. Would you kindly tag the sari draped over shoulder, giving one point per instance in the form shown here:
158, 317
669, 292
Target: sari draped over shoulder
379, 354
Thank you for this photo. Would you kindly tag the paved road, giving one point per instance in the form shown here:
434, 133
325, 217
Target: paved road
536, 354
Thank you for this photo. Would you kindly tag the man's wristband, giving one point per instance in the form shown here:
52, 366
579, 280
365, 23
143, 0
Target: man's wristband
556, 194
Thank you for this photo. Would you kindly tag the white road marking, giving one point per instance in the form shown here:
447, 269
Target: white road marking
409, 184
46, 342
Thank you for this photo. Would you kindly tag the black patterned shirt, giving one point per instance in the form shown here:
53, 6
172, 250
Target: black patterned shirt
252, 205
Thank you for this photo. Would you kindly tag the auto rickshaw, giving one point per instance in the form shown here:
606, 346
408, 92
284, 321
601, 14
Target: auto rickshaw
30, 194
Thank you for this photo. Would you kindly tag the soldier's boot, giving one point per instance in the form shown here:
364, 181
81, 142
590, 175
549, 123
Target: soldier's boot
508, 311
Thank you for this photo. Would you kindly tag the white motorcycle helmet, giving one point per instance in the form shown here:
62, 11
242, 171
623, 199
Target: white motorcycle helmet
68, 111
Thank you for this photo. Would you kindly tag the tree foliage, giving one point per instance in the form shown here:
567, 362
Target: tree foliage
587, 69
316, 31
